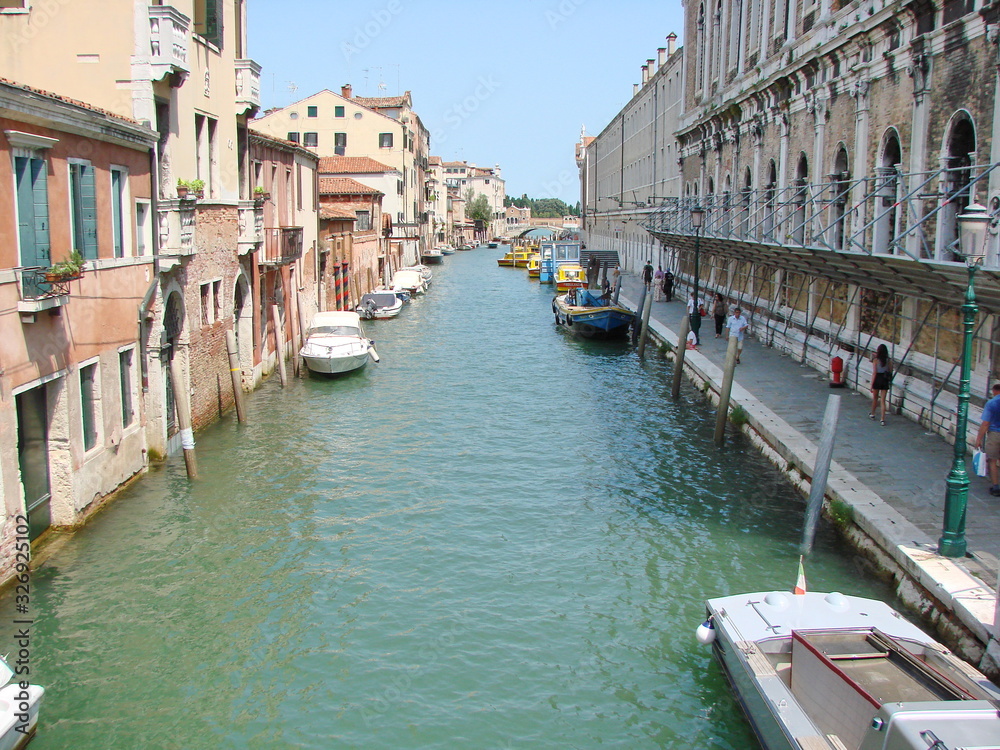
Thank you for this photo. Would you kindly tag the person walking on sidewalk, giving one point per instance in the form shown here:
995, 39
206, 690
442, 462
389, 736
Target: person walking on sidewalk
668, 285
647, 273
719, 311
737, 326
881, 378
989, 438
658, 284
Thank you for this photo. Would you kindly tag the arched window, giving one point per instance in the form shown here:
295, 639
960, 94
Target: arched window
887, 185
746, 203
960, 157
770, 201
799, 200
840, 185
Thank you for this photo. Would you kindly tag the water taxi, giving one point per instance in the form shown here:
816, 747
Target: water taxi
587, 315
815, 671
507, 259
534, 266
570, 276
521, 257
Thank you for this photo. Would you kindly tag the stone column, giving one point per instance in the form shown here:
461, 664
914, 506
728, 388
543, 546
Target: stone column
919, 72
858, 193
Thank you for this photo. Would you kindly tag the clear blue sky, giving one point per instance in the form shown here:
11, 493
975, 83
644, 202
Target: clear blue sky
506, 83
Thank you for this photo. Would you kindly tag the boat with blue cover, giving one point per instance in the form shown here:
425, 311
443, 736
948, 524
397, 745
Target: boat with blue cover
591, 316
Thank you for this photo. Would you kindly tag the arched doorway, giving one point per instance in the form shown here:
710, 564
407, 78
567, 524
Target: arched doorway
243, 322
960, 156
840, 183
799, 201
173, 326
746, 208
770, 197
887, 193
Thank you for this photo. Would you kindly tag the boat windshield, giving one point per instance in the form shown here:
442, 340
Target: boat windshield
334, 331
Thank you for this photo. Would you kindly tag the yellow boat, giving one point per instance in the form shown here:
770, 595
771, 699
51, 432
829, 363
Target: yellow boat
570, 276
534, 266
521, 258
507, 259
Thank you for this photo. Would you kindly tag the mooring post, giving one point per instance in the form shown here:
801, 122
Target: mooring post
235, 374
279, 344
183, 404
618, 289
675, 392
293, 319
821, 471
303, 371
732, 350
638, 312
647, 306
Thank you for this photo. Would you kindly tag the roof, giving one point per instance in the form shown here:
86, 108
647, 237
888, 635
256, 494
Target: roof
352, 165
336, 213
456, 164
68, 100
345, 186
435, 160
286, 144
382, 102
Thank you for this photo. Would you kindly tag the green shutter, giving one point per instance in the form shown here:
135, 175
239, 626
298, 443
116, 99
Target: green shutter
213, 21
88, 210
32, 211
116, 213
40, 190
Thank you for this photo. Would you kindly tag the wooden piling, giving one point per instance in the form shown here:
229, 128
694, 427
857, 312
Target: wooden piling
300, 309
722, 416
183, 404
236, 375
279, 344
646, 308
638, 312
293, 319
618, 288
675, 391
817, 488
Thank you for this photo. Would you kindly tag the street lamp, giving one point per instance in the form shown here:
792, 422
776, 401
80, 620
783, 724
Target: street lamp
697, 219
972, 225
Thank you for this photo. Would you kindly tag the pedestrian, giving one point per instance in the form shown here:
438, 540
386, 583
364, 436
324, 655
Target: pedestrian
668, 285
658, 284
737, 326
719, 310
988, 438
881, 378
616, 276
647, 273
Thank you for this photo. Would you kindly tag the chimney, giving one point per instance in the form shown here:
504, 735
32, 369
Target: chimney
645, 74
671, 43
346, 91
650, 67
635, 89
661, 55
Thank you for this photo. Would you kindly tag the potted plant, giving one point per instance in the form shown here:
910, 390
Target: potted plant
182, 189
260, 194
185, 187
66, 270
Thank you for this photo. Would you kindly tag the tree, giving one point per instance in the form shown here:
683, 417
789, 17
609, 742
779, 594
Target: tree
478, 208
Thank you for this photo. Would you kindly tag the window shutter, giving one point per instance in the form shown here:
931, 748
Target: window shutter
39, 184
25, 211
116, 213
213, 21
88, 204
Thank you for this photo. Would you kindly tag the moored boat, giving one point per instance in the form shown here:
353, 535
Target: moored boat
425, 273
590, 316
465, 247
379, 305
408, 280
570, 276
432, 255
817, 671
336, 343
521, 257
446, 249
507, 260
19, 706
534, 266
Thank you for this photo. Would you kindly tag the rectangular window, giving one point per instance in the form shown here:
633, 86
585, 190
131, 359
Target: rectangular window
206, 153
311, 140
143, 229
399, 187
312, 111
83, 208
293, 137
32, 211
88, 404
217, 299
125, 374
385, 140
207, 304
120, 232
340, 143
208, 20
9, 5
298, 185
364, 220
338, 111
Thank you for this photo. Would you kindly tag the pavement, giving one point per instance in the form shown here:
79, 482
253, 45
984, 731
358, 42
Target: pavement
893, 477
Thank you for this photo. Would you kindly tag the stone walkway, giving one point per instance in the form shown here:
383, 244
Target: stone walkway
893, 476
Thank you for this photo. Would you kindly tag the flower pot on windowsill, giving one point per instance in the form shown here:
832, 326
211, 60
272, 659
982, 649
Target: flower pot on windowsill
58, 278
182, 192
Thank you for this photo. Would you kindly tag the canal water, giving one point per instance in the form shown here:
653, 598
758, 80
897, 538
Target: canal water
498, 537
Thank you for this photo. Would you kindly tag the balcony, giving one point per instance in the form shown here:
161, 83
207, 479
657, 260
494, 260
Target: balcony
247, 86
36, 293
176, 227
168, 41
282, 245
251, 220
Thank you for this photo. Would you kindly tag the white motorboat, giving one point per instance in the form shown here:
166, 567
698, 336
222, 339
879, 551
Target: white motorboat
336, 343
19, 704
408, 281
379, 305
446, 249
425, 273
432, 255
817, 671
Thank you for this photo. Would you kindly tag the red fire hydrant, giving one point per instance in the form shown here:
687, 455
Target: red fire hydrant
837, 372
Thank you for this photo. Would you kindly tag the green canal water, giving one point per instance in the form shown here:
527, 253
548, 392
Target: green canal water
499, 537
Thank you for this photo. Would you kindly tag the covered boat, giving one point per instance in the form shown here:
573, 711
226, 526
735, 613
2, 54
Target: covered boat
817, 671
570, 276
507, 259
336, 342
408, 281
379, 305
432, 255
534, 266
590, 316
425, 273
446, 249
465, 247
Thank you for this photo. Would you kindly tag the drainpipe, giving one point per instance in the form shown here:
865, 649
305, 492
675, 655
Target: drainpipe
147, 300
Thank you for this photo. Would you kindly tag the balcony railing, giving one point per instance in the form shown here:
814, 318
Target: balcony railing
38, 291
282, 245
251, 220
247, 85
889, 213
168, 41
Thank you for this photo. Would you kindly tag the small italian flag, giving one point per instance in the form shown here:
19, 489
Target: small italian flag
800, 584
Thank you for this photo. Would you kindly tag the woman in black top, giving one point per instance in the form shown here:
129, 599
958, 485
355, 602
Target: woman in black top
881, 378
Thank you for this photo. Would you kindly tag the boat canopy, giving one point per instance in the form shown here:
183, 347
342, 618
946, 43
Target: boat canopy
338, 323
380, 299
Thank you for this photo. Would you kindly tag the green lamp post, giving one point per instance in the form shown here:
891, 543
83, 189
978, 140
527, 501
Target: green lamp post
972, 225
697, 219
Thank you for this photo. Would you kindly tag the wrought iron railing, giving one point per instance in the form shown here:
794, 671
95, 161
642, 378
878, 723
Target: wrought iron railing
887, 213
281, 245
35, 283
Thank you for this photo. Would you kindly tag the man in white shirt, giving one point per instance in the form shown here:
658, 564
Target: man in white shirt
737, 326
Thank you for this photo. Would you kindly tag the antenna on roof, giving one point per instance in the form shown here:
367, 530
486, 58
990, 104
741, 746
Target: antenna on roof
292, 87
365, 71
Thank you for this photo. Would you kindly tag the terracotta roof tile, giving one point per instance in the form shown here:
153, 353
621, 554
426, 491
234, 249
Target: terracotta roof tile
376, 102
336, 213
68, 100
352, 165
344, 186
